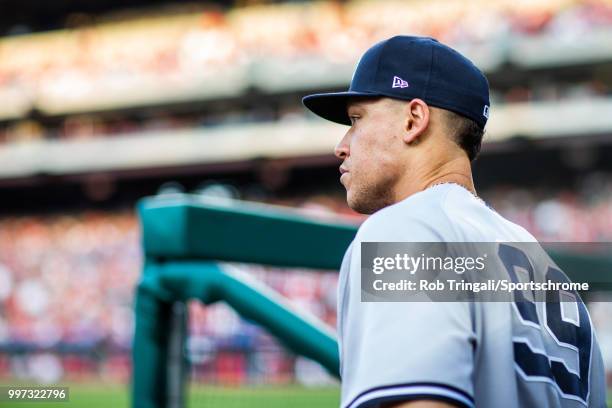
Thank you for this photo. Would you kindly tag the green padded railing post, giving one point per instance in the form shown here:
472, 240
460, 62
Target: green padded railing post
150, 347
176, 370
196, 229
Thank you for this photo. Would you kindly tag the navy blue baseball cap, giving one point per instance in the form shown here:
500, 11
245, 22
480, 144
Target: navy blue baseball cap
408, 67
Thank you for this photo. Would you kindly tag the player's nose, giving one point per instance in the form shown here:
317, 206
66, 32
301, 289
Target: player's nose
341, 150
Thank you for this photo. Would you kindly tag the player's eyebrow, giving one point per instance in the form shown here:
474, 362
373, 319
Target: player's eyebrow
354, 108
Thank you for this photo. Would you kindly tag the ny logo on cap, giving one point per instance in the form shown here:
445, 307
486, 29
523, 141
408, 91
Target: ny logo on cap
399, 83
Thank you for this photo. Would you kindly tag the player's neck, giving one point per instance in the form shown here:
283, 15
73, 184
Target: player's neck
456, 171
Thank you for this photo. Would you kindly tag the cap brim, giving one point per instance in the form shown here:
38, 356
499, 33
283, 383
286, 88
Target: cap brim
332, 106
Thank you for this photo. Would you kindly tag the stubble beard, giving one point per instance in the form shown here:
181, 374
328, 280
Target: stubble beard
369, 197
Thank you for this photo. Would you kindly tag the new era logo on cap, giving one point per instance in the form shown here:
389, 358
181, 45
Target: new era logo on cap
399, 83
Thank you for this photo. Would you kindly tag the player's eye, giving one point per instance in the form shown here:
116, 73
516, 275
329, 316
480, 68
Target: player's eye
353, 119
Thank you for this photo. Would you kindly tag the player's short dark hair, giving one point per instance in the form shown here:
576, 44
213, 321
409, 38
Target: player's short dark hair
466, 133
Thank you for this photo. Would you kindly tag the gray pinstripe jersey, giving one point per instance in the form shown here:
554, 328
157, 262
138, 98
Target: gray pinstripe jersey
469, 354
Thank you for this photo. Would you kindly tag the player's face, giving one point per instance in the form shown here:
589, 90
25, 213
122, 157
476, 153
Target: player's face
370, 153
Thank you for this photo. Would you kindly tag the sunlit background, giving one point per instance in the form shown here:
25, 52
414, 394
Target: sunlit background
104, 102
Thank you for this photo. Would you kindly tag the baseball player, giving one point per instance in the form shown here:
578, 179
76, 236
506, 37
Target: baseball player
417, 111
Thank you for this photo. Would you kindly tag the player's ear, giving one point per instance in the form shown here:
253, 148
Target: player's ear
416, 120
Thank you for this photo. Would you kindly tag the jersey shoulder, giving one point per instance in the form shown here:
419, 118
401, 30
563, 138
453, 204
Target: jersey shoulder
475, 221
442, 213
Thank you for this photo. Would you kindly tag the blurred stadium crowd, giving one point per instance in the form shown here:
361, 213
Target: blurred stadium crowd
163, 53
67, 277
67, 282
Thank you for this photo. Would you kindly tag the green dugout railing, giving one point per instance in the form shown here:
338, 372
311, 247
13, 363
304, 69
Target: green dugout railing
184, 237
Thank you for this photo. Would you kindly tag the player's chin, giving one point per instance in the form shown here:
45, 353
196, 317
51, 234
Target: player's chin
360, 206
357, 203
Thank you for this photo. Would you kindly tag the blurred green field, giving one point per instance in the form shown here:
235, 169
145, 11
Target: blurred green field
116, 396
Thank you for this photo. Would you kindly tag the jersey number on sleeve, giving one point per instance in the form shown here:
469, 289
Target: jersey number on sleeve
573, 335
